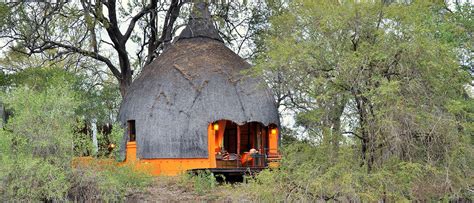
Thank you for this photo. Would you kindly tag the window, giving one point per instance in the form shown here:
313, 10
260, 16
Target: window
131, 130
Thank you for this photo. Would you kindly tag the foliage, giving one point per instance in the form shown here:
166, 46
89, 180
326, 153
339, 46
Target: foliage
117, 139
37, 141
201, 182
34, 179
106, 182
4, 13
36, 146
380, 90
389, 71
110, 145
306, 174
98, 101
83, 145
43, 119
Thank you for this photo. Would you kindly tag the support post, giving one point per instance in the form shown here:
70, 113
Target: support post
238, 139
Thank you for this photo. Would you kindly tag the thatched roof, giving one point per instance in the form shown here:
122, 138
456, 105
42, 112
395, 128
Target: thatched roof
198, 80
200, 24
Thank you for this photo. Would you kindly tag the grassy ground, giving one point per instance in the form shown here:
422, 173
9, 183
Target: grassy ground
175, 189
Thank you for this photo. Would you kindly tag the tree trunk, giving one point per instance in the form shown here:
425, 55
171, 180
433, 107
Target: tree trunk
126, 70
95, 144
2, 115
335, 119
125, 84
366, 147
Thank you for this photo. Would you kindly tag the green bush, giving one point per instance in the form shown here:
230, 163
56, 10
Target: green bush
34, 179
115, 137
37, 143
36, 148
82, 144
201, 182
308, 174
24, 177
106, 182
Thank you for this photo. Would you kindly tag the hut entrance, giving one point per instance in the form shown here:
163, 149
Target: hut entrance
245, 145
230, 138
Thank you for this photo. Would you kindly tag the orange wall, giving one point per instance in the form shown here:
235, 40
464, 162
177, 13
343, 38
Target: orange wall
131, 154
273, 141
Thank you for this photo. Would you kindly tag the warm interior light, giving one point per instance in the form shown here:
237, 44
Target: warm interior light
216, 126
274, 131
112, 146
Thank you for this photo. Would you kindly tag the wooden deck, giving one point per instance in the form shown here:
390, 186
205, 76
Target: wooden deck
237, 171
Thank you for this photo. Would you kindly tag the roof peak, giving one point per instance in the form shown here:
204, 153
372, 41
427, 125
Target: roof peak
200, 24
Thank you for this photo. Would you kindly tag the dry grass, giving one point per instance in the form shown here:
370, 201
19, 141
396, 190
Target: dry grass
175, 189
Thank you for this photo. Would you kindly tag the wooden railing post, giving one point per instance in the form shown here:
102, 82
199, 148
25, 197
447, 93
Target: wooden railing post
238, 146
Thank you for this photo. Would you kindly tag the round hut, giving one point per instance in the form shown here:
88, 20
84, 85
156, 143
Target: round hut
193, 107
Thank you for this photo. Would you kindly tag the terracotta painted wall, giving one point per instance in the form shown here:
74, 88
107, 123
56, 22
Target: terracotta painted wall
273, 141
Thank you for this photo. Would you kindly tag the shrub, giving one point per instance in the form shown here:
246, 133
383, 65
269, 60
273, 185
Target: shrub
308, 174
36, 149
115, 137
106, 182
34, 179
37, 143
201, 182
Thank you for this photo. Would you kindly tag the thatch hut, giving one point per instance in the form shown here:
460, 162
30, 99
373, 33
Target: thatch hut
193, 108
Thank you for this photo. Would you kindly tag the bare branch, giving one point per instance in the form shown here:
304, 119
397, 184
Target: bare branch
135, 18
91, 54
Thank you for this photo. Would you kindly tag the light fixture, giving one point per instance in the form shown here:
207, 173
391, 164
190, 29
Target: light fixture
216, 126
274, 131
112, 145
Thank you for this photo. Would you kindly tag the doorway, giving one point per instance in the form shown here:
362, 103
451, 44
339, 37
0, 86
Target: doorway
244, 145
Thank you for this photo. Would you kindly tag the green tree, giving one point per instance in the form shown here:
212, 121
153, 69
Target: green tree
37, 144
382, 78
37, 141
99, 95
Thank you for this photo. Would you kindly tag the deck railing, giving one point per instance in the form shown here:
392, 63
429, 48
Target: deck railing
257, 160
